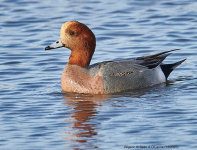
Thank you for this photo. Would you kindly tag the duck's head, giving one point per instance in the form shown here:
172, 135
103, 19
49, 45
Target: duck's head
79, 39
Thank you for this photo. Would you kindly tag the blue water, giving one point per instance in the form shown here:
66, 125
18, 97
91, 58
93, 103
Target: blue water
36, 115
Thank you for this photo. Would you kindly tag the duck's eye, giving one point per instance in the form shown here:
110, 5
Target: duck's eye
72, 32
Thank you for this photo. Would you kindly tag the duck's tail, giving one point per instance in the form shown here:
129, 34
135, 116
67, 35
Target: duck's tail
168, 68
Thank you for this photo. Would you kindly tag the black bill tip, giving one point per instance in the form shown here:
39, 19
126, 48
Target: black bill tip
48, 48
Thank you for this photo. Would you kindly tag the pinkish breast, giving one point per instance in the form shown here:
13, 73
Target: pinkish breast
77, 79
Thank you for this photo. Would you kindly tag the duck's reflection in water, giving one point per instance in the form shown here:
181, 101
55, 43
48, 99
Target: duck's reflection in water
83, 127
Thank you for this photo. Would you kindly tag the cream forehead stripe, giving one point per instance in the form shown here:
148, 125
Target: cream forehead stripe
68, 23
64, 27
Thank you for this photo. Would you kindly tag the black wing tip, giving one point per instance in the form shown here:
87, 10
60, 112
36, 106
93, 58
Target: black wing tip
153, 62
162, 53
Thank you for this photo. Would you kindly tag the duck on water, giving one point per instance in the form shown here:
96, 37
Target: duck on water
109, 76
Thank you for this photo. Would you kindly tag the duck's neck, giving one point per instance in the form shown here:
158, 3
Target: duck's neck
81, 57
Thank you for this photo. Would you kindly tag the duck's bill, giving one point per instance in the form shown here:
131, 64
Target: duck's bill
55, 45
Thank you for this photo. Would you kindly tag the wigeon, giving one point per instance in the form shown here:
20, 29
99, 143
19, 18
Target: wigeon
109, 76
